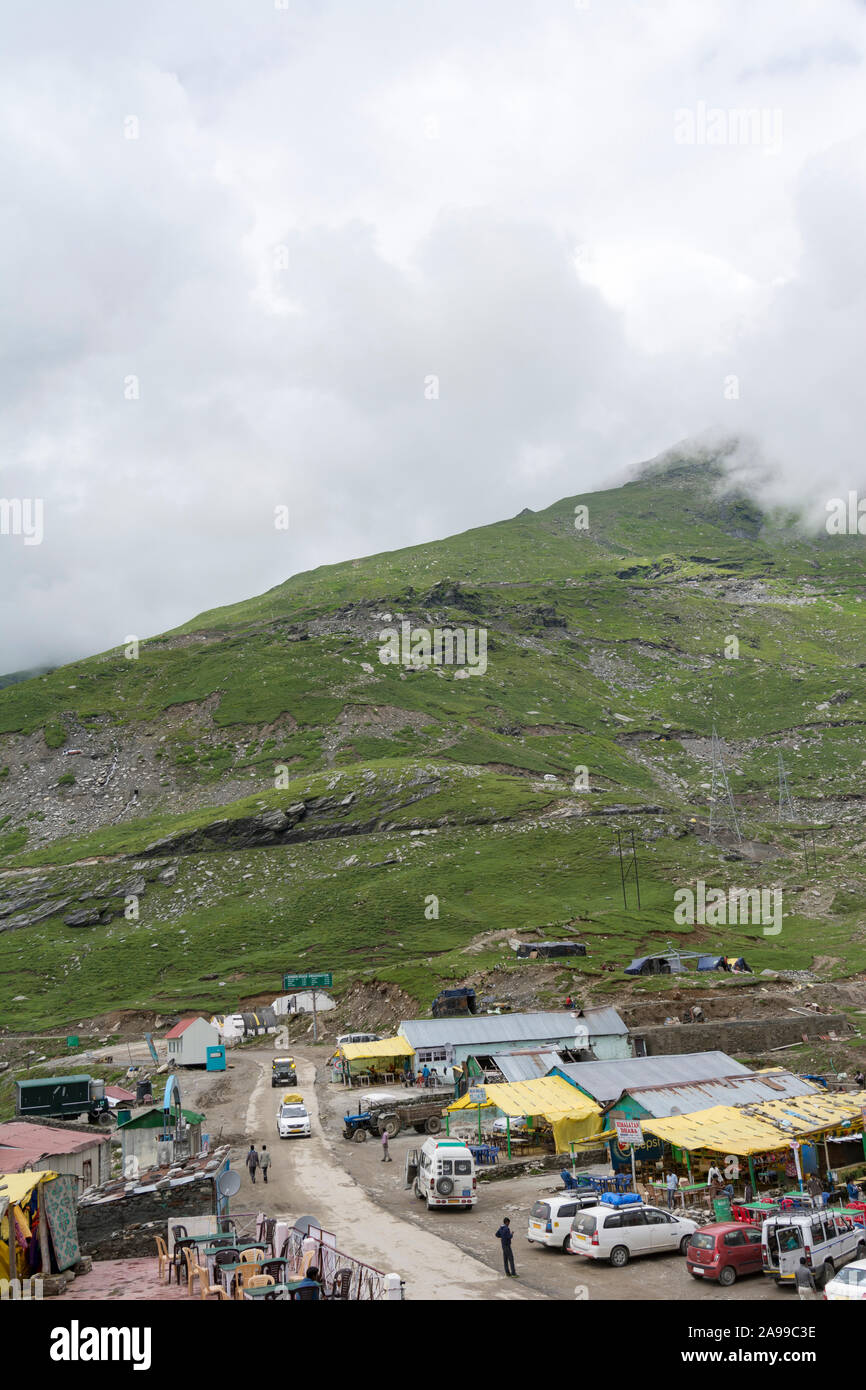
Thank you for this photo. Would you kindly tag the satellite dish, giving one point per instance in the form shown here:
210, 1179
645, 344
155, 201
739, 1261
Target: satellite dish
229, 1183
305, 1224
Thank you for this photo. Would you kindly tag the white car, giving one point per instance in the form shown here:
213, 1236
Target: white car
618, 1233
293, 1120
518, 1124
850, 1282
551, 1217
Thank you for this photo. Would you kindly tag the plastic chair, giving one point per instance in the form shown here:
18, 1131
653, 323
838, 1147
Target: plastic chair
341, 1286
274, 1267
205, 1289
260, 1281
164, 1257
242, 1274
252, 1256
224, 1257
569, 1181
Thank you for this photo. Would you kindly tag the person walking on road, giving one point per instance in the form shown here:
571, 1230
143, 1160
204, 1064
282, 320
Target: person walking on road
386, 1157
804, 1280
673, 1189
506, 1235
264, 1162
426, 1074
252, 1161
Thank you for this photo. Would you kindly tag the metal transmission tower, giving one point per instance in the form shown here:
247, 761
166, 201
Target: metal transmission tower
786, 805
625, 872
810, 854
723, 814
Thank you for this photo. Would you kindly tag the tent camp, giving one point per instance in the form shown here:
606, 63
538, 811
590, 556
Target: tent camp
551, 1100
44, 1232
655, 965
546, 949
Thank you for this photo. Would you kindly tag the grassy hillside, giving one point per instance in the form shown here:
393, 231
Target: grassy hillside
610, 649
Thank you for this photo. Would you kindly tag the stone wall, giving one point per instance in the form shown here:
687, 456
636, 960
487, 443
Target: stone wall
125, 1226
743, 1037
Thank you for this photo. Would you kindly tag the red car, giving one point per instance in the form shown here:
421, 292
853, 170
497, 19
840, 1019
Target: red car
724, 1252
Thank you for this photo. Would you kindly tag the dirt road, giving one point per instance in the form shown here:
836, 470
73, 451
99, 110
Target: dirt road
307, 1178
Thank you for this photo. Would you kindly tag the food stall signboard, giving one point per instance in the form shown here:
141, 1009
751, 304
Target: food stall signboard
629, 1132
477, 1095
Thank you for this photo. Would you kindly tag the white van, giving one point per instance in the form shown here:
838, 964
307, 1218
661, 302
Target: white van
826, 1239
446, 1174
618, 1233
357, 1038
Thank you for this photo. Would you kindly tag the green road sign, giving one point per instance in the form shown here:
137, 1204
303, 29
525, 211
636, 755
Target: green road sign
72, 1040
308, 981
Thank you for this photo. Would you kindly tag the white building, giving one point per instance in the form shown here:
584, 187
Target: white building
188, 1042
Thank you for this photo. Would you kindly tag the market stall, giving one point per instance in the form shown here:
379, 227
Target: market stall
551, 1110
38, 1230
366, 1063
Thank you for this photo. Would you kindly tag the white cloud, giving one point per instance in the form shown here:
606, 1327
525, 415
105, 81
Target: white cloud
327, 204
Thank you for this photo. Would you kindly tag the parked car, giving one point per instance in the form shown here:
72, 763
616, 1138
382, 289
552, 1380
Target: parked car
724, 1252
551, 1217
518, 1124
825, 1239
357, 1038
293, 1120
850, 1282
618, 1233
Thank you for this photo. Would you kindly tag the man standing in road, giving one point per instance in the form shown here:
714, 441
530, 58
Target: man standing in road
673, 1188
252, 1161
505, 1235
805, 1282
265, 1162
386, 1157
426, 1074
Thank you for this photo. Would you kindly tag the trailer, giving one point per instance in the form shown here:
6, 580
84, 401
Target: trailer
393, 1115
63, 1097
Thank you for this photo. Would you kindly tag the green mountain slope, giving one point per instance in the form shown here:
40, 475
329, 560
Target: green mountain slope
609, 652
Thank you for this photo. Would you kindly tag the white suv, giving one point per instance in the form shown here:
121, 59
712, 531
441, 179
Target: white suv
551, 1217
293, 1120
617, 1233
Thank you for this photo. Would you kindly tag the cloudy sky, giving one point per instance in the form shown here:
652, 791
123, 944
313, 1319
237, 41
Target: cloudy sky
239, 239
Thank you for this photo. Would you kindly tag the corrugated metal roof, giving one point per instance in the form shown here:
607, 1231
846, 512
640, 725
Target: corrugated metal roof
180, 1028
492, 1030
662, 1101
606, 1081
525, 1066
22, 1143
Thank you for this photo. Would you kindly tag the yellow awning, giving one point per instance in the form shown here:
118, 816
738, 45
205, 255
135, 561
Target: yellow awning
386, 1047
760, 1128
572, 1114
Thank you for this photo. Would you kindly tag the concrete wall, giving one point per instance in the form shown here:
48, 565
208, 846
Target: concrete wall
126, 1227
743, 1037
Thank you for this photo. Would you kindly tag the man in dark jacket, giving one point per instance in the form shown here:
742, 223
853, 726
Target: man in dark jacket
805, 1282
252, 1161
506, 1235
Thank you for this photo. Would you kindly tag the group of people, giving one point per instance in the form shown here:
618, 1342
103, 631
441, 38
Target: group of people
255, 1160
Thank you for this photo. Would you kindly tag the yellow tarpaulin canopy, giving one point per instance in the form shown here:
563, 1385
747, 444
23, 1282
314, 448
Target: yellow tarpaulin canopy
386, 1047
755, 1129
571, 1114
16, 1189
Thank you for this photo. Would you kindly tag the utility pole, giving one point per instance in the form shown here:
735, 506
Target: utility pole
786, 805
625, 872
810, 855
315, 1020
723, 813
